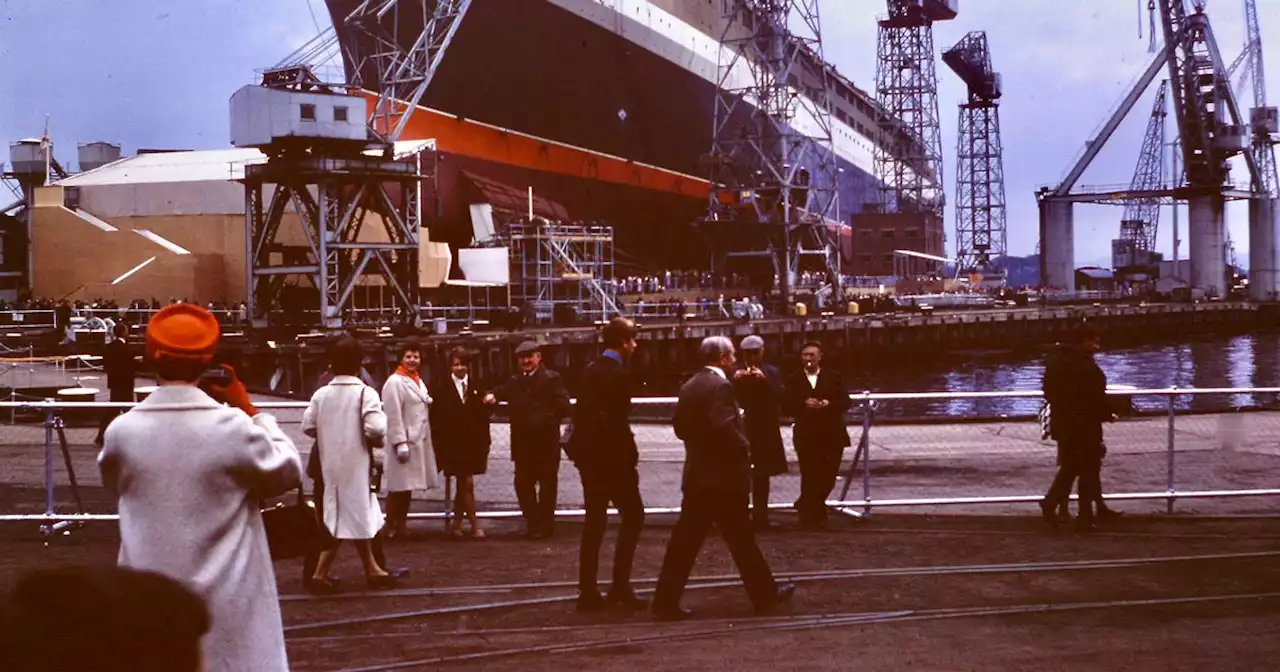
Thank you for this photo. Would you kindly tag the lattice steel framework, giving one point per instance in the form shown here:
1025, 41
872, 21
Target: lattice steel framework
1255, 78
1141, 219
909, 167
981, 234
766, 174
570, 265
1202, 97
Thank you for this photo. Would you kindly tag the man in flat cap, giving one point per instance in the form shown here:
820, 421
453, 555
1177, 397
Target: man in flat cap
537, 402
604, 450
189, 466
758, 387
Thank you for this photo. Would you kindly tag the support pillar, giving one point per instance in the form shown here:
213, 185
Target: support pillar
1264, 263
1057, 244
1206, 234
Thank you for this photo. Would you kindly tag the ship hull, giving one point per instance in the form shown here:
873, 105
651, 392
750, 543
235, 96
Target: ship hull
534, 67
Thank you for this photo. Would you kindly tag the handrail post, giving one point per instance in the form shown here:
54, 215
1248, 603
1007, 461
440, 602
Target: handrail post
49, 421
1169, 478
866, 453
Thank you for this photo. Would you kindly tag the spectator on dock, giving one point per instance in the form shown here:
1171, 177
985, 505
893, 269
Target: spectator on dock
1076, 389
537, 403
107, 619
346, 419
189, 474
118, 364
759, 389
817, 398
460, 427
716, 484
407, 400
603, 448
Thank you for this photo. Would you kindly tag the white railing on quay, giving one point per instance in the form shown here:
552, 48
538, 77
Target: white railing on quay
859, 467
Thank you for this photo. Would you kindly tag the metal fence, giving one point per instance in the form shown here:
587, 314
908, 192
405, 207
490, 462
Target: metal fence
1166, 449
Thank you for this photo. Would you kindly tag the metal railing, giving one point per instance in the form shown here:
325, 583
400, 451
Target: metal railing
889, 463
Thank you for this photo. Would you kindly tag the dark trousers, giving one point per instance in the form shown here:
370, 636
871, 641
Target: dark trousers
599, 489
1078, 461
759, 497
819, 467
536, 482
730, 515
112, 413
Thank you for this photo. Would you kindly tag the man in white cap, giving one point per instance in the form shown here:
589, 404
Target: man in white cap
758, 387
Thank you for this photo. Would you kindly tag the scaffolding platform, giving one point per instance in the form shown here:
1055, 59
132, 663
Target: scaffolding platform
564, 272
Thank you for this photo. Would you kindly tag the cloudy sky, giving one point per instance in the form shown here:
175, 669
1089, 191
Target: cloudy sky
158, 74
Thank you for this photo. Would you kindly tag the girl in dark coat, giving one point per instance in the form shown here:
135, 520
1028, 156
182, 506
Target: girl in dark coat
460, 434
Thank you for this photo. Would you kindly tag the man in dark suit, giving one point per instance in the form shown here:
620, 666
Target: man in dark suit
817, 399
716, 485
759, 390
537, 402
118, 364
1076, 389
603, 448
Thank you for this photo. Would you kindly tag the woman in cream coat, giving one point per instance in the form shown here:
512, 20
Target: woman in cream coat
342, 417
413, 466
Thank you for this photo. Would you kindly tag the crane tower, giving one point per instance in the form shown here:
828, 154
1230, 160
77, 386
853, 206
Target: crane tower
773, 188
909, 168
1134, 252
981, 240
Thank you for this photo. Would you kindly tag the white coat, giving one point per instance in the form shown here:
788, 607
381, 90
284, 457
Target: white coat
340, 417
189, 473
407, 422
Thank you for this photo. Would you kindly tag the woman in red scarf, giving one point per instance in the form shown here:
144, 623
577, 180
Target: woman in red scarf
412, 465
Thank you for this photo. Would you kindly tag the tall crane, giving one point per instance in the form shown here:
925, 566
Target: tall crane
981, 237
774, 188
1134, 251
909, 169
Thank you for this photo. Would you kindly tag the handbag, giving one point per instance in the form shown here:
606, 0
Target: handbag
293, 530
370, 444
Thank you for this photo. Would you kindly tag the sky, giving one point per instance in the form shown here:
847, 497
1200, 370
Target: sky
159, 74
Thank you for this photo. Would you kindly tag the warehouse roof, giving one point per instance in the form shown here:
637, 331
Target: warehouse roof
212, 165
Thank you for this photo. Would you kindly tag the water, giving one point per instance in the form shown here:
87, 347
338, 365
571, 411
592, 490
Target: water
1251, 360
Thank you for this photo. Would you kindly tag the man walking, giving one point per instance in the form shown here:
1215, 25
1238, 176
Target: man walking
537, 402
604, 450
716, 483
759, 389
1076, 389
817, 399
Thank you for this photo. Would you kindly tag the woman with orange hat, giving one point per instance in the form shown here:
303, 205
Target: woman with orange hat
188, 472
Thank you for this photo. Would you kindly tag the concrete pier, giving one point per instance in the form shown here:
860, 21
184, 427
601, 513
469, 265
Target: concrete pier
1264, 262
1057, 244
1206, 235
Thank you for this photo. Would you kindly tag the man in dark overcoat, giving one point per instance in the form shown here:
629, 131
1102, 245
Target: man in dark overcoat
817, 399
119, 365
537, 402
759, 389
1076, 389
603, 447
716, 483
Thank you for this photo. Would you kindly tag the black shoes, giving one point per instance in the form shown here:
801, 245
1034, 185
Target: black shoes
626, 600
671, 614
398, 572
782, 596
591, 601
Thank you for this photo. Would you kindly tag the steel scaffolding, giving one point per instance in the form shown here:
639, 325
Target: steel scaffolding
564, 271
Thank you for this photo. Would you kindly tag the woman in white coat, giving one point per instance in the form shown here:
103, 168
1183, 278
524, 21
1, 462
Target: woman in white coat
189, 473
408, 432
345, 417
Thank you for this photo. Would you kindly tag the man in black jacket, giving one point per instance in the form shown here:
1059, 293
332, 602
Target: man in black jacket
716, 485
537, 402
604, 450
118, 364
817, 399
1076, 389
759, 389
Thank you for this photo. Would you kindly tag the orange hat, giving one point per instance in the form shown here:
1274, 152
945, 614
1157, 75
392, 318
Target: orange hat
183, 330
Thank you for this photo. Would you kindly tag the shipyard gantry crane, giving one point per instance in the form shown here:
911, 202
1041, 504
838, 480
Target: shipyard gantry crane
908, 165
1133, 254
1211, 131
774, 189
357, 202
981, 237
